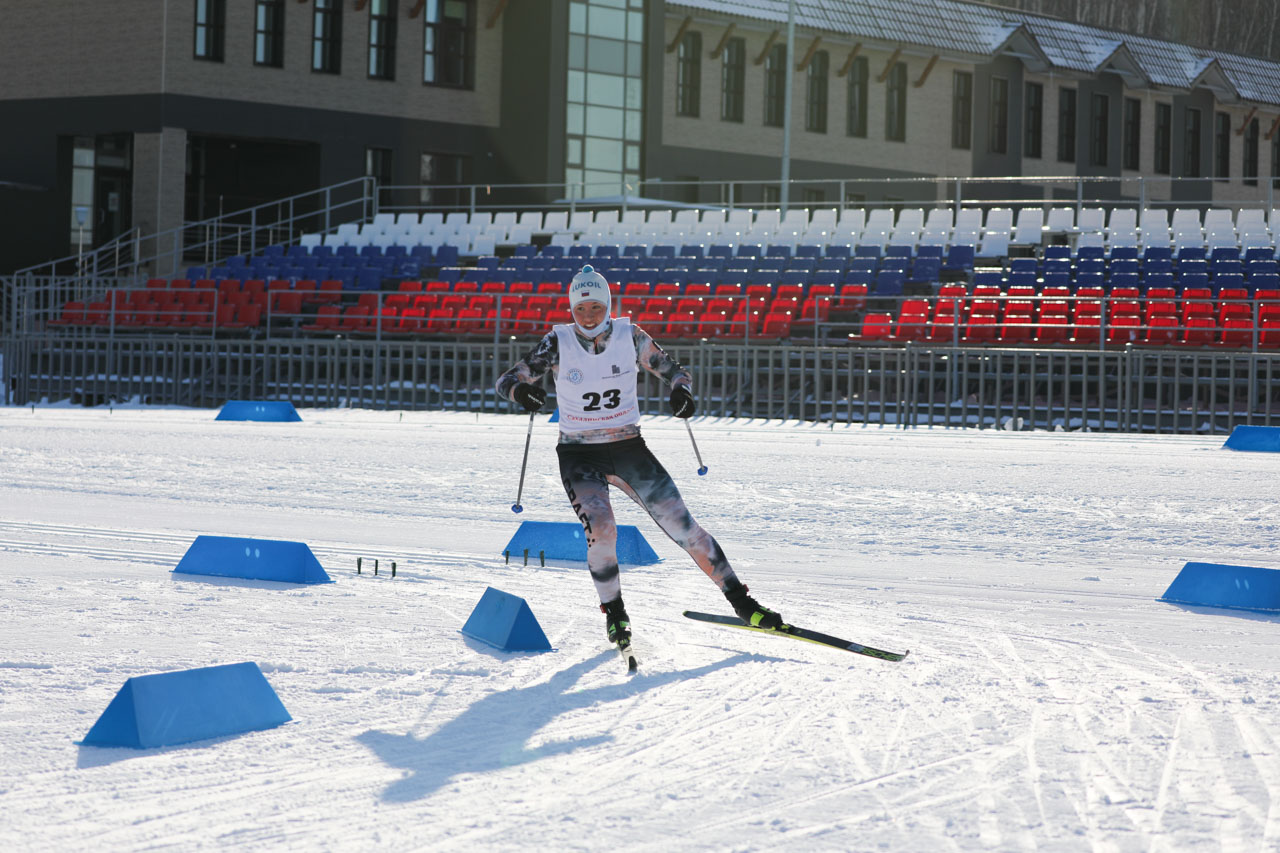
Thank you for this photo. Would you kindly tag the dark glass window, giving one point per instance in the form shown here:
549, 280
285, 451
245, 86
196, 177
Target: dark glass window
1066, 125
998, 132
1275, 160
1034, 121
1099, 129
447, 39
1249, 164
1191, 143
961, 109
1132, 133
856, 109
326, 37
268, 33
1221, 146
775, 78
211, 27
895, 108
1164, 139
815, 113
382, 39
440, 177
733, 78
377, 164
689, 75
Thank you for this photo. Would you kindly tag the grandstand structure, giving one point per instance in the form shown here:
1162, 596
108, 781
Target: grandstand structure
999, 218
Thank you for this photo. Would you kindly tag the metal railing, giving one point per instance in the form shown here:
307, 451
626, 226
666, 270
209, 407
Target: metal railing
1127, 390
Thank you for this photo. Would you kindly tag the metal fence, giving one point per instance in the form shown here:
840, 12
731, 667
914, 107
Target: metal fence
1126, 390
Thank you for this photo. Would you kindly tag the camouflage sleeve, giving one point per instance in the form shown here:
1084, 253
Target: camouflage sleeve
655, 359
544, 357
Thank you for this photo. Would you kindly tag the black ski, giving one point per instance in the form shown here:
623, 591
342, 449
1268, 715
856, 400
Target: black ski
628, 655
799, 634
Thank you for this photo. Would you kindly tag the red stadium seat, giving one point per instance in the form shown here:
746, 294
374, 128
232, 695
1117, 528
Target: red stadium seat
877, 326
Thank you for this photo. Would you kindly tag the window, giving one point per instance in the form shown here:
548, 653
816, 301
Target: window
377, 164
815, 113
811, 197
961, 109
1221, 146
895, 108
268, 33
441, 177
1099, 129
1034, 106
1249, 164
998, 132
1275, 160
326, 37
382, 39
733, 76
211, 26
1132, 133
82, 165
689, 75
775, 78
856, 109
1066, 125
1191, 143
1164, 139
771, 195
447, 43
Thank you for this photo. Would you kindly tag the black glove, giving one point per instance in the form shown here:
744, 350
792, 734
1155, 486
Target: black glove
530, 396
682, 402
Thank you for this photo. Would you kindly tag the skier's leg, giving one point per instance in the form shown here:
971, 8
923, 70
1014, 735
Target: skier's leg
641, 476
588, 491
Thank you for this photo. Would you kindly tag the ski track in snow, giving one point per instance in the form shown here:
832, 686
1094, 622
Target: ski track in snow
1049, 702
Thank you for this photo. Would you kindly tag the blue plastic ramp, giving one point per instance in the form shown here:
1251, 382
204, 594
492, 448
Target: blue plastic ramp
566, 541
1257, 438
1235, 587
258, 410
256, 559
191, 704
505, 621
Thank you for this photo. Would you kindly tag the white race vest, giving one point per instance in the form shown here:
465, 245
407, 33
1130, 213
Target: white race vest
597, 390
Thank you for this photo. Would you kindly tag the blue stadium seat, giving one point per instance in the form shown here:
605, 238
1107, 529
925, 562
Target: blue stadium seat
553, 251
580, 252
837, 250
607, 251
808, 251
1254, 253
1191, 253
959, 258
889, 283
1024, 265
635, 250
719, 250
322, 252
1057, 253
897, 251
748, 250
929, 252
867, 251
297, 252
776, 250
1125, 279
524, 250
1156, 253
1124, 253
273, 251
926, 270
692, 250
446, 255
1224, 253
1092, 253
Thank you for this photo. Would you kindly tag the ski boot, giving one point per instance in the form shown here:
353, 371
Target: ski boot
749, 610
617, 623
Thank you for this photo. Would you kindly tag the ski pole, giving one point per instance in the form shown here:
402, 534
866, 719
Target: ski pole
702, 469
515, 507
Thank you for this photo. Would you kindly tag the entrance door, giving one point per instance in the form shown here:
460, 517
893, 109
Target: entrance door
112, 196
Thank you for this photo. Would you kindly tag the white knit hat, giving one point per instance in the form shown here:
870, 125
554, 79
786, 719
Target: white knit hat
588, 285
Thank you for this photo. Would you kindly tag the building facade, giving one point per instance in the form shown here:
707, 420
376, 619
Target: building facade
117, 119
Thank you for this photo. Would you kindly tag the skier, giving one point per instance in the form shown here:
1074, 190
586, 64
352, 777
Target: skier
596, 361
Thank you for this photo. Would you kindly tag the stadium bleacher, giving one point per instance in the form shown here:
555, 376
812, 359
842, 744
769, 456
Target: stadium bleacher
970, 276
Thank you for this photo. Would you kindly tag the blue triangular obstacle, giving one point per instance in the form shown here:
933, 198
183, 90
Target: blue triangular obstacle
1217, 585
191, 704
505, 621
258, 410
1260, 438
257, 559
555, 416
566, 541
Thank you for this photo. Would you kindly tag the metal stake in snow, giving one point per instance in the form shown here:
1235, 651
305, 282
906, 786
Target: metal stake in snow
702, 469
515, 507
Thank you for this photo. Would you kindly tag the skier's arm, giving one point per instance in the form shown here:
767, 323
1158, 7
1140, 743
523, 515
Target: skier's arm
655, 359
545, 356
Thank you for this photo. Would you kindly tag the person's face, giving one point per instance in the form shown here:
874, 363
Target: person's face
589, 314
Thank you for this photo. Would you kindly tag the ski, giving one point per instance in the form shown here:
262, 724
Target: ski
799, 633
628, 655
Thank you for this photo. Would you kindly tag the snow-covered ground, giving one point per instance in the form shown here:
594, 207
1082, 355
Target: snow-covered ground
1050, 702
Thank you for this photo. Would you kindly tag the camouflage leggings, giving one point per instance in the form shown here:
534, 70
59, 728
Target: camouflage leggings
589, 469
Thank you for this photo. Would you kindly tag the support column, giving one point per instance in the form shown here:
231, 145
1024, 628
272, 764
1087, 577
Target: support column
159, 198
